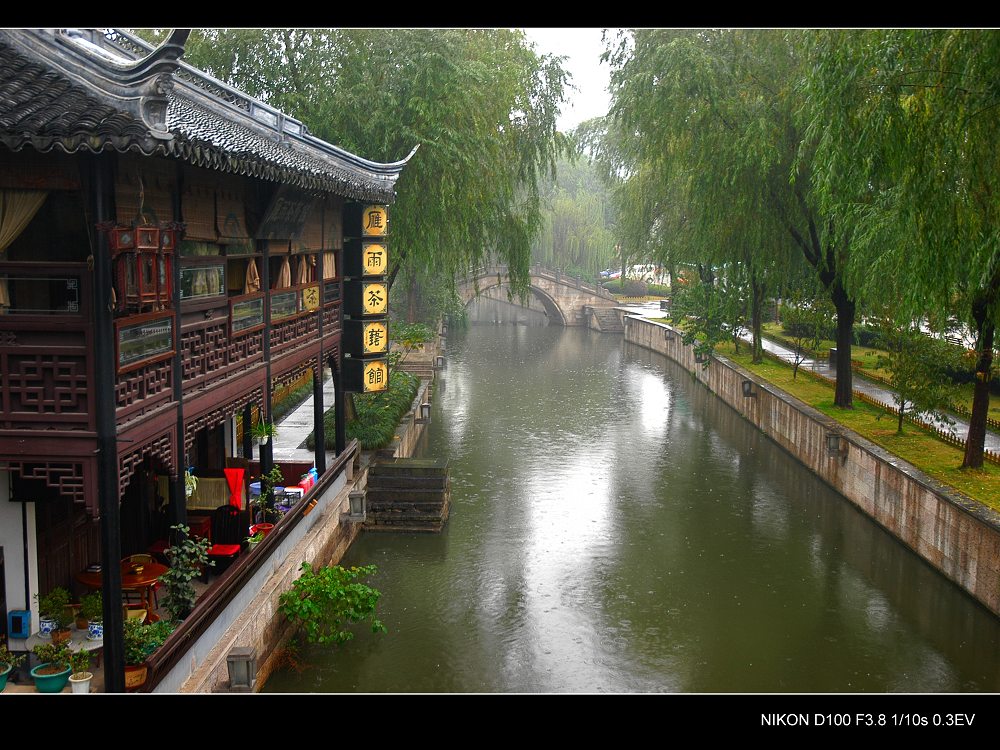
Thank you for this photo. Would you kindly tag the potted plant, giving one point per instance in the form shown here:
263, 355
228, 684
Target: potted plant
80, 677
266, 512
55, 615
255, 538
263, 431
92, 608
141, 640
190, 481
52, 674
8, 663
187, 560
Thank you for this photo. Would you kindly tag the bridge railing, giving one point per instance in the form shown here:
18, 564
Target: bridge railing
553, 274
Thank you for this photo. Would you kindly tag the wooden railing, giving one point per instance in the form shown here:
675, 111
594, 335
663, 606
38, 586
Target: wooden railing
212, 603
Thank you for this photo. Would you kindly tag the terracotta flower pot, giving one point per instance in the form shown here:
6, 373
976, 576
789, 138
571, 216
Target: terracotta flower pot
135, 676
61, 636
263, 528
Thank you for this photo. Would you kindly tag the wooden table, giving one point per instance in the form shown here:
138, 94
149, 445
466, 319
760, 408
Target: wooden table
131, 581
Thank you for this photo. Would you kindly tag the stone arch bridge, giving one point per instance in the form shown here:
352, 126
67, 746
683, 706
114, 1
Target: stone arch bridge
567, 300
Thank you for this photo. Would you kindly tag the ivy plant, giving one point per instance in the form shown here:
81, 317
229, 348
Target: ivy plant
324, 600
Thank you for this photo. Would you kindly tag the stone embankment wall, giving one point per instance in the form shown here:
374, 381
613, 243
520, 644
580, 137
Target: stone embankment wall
958, 536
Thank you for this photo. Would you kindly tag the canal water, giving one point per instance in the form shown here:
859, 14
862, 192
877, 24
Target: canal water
616, 528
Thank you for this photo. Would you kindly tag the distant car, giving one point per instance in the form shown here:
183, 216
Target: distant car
606, 273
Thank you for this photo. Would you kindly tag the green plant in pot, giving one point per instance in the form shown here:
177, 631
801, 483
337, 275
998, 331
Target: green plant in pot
266, 512
255, 539
53, 672
8, 663
187, 558
141, 640
55, 615
92, 607
190, 482
263, 431
80, 676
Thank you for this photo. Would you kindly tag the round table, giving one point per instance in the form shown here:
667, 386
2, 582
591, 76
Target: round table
79, 641
143, 580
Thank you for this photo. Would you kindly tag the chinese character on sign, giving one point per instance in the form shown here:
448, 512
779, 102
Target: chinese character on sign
374, 258
374, 221
375, 297
375, 376
374, 337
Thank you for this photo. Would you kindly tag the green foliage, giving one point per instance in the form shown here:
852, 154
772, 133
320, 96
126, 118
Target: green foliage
79, 661
186, 559
265, 500
704, 313
8, 658
142, 639
635, 288
291, 401
92, 606
806, 321
323, 601
919, 366
378, 414
55, 606
577, 230
51, 653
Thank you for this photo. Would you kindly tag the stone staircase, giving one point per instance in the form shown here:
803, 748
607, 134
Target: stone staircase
608, 320
408, 495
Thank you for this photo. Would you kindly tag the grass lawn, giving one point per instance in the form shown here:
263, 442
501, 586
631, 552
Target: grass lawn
867, 356
934, 457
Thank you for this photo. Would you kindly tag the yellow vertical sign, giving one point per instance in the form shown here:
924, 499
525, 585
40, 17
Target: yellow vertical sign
376, 376
310, 298
374, 259
376, 338
374, 221
375, 298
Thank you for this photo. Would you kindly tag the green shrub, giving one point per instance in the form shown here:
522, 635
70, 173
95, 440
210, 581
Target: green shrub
378, 414
635, 288
323, 601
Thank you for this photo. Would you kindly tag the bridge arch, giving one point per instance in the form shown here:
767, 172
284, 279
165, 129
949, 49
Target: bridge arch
565, 299
552, 308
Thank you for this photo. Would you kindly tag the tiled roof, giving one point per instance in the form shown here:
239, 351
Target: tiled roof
58, 93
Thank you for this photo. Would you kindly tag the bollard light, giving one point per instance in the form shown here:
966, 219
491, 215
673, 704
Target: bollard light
832, 443
439, 362
747, 388
425, 411
357, 505
242, 666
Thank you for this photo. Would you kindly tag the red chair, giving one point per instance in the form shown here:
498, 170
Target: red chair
227, 538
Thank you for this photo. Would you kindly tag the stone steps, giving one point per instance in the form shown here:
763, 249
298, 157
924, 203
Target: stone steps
608, 320
408, 495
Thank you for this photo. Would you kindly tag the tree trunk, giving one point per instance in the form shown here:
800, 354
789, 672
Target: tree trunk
756, 303
411, 300
975, 443
844, 393
899, 424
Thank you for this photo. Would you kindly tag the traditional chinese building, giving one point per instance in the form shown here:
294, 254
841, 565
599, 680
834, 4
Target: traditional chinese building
170, 255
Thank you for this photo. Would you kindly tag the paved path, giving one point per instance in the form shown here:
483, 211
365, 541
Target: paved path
960, 427
295, 427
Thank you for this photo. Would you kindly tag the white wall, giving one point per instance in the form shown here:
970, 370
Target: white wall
11, 536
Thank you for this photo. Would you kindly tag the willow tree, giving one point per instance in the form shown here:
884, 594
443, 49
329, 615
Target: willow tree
906, 128
481, 104
716, 113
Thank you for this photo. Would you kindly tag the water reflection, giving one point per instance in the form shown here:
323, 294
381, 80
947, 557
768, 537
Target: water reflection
615, 527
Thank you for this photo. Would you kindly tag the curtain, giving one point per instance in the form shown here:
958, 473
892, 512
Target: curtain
329, 265
17, 209
284, 275
252, 283
302, 275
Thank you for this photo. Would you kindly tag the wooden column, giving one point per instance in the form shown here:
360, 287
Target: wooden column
97, 178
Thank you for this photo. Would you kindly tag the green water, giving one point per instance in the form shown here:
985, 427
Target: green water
616, 528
